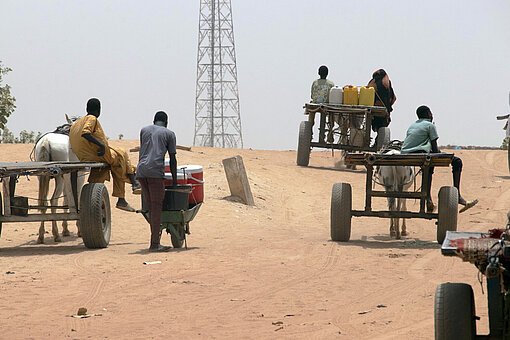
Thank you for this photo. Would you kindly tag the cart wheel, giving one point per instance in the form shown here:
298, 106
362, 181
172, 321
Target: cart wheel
448, 210
95, 215
383, 137
177, 241
454, 312
303, 149
341, 203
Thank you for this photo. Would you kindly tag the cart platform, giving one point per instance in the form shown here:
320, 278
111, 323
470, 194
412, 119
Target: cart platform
472, 247
94, 211
411, 159
340, 127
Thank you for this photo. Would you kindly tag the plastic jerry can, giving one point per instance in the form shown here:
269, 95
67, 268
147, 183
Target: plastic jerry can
336, 95
350, 95
366, 96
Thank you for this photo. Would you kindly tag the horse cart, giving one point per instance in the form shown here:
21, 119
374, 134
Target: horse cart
92, 209
341, 127
454, 305
341, 198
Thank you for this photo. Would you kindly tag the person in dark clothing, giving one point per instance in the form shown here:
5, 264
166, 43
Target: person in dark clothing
384, 96
422, 137
155, 141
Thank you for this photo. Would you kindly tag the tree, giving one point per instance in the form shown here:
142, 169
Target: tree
7, 101
121, 136
504, 145
26, 137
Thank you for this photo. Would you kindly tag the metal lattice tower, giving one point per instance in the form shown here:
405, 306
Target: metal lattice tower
217, 114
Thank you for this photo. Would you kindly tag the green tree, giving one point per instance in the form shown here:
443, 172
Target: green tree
26, 136
7, 101
504, 145
7, 136
121, 136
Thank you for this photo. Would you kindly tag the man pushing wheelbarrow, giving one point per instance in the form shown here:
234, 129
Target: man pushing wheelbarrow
155, 141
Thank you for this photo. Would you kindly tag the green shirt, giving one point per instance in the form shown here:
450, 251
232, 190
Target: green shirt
320, 90
419, 137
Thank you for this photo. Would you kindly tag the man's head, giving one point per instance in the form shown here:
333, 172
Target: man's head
161, 117
94, 107
323, 71
423, 112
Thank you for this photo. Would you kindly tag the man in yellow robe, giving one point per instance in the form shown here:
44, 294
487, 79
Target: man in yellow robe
90, 144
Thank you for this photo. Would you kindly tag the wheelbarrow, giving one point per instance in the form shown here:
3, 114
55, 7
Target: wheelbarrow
176, 214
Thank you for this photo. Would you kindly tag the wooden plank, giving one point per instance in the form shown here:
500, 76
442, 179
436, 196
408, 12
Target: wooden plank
237, 179
346, 109
399, 214
178, 147
68, 192
40, 217
6, 196
33, 166
435, 159
403, 194
368, 189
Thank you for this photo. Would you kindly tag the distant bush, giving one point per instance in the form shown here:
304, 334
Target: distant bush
7, 137
504, 145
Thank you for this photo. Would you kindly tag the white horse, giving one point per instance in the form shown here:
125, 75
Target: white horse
396, 179
55, 147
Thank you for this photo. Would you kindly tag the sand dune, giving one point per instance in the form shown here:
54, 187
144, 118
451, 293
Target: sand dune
268, 271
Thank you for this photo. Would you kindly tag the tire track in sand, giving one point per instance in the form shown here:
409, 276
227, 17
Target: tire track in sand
97, 288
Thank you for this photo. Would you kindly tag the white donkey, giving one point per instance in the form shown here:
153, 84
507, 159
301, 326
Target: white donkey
396, 179
55, 147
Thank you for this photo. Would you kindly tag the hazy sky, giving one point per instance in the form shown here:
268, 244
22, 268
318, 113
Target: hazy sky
138, 57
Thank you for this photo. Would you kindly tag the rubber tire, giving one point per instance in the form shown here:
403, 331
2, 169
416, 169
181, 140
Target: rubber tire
305, 138
95, 216
454, 312
447, 211
176, 243
383, 137
341, 204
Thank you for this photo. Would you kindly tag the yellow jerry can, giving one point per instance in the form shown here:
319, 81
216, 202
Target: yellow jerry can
366, 96
350, 95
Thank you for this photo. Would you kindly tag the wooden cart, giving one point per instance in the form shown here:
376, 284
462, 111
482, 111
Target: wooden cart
337, 126
454, 304
341, 198
92, 209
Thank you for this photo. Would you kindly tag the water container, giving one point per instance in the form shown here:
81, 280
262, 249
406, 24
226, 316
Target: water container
366, 96
176, 198
350, 95
194, 177
336, 95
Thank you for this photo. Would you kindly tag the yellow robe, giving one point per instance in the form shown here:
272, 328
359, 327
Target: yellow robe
117, 158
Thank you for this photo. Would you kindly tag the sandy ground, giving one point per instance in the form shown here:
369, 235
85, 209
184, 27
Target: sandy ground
268, 271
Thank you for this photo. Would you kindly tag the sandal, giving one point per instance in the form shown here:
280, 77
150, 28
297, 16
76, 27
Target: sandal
137, 189
468, 205
127, 207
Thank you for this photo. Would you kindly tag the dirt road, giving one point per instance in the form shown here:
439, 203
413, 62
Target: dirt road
268, 271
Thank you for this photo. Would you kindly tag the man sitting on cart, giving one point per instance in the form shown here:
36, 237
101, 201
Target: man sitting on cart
422, 137
90, 144
320, 90
155, 141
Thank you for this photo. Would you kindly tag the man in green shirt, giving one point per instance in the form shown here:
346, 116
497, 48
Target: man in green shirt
422, 137
321, 87
320, 94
